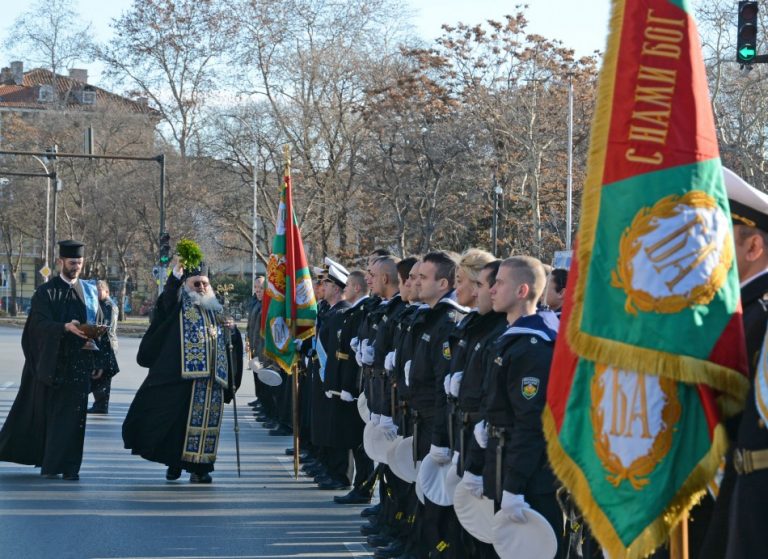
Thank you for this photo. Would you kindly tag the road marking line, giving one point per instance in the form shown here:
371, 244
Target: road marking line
357, 549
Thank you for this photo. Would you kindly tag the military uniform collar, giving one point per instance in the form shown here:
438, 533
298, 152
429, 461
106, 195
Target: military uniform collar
754, 287
451, 302
532, 325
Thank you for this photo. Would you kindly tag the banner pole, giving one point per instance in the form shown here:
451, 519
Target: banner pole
295, 380
678, 539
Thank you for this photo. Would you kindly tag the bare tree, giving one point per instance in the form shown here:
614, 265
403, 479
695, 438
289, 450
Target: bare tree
168, 51
50, 34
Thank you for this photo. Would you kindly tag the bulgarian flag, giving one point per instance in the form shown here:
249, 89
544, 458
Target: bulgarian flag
651, 354
289, 302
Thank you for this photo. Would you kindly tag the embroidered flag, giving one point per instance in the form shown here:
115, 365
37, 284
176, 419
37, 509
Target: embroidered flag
653, 353
289, 300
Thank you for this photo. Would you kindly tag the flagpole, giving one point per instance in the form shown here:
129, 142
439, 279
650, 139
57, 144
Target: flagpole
294, 367
678, 539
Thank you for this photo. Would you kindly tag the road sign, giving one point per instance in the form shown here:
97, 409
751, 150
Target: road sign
45, 271
562, 259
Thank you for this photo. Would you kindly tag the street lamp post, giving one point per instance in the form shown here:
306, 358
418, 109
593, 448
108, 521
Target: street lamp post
46, 244
252, 161
255, 228
495, 228
569, 202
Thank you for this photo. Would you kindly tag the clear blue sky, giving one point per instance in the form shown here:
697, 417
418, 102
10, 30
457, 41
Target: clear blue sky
580, 24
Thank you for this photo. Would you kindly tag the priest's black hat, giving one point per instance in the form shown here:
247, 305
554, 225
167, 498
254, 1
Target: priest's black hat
71, 249
749, 206
199, 270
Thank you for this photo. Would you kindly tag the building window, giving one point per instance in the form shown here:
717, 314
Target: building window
45, 95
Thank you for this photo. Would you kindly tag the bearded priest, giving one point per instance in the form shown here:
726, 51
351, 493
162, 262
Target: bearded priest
175, 418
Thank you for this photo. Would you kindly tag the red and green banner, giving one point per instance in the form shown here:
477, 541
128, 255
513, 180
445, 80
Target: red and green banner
651, 353
289, 306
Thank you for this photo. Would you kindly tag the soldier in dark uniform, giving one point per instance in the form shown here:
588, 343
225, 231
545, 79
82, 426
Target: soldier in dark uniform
326, 345
385, 300
740, 514
341, 386
425, 376
516, 472
403, 503
476, 334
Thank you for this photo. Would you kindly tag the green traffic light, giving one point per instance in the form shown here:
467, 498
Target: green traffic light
746, 53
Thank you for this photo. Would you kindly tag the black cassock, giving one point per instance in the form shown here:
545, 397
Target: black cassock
156, 424
46, 424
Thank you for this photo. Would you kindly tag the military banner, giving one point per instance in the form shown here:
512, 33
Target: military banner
652, 357
289, 300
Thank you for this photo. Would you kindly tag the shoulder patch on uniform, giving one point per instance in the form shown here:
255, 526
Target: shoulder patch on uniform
446, 350
530, 387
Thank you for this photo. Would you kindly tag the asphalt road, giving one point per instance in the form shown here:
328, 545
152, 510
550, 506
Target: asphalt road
122, 507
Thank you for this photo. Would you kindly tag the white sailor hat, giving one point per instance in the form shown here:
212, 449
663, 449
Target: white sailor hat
749, 206
532, 539
362, 408
269, 377
432, 480
400, 460
376, 443
337, 276
475, 515
330, 262
317, 271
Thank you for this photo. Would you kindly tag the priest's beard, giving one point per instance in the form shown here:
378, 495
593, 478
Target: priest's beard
206, 300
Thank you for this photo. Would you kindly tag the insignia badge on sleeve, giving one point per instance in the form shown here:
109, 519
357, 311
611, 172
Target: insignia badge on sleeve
530, 387
446, 350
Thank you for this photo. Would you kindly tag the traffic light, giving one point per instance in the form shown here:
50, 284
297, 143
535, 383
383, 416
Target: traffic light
746, 39
165, 247
51, 152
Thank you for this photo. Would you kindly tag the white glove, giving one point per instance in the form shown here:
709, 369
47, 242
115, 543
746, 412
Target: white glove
407, 371
455, 458
328, 394
513, 506
447, 384
354, 344
473, 483
375, 418
346, 396
389, 361
456, 383
388, 427
359, 357
367, 352
481, 434
440, 454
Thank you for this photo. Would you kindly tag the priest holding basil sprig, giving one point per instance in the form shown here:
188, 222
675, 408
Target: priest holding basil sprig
185, 351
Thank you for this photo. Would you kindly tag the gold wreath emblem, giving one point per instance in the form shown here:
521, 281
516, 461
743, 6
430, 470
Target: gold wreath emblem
276, 277
630, 244
640, 468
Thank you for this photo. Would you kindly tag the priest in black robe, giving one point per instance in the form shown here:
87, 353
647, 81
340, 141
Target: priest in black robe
46, 424
175, 418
